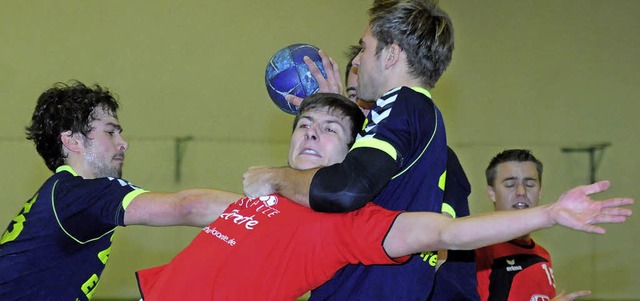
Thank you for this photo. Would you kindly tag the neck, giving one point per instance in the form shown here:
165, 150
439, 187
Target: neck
79, 167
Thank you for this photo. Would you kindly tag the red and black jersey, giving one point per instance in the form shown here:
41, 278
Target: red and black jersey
515, 270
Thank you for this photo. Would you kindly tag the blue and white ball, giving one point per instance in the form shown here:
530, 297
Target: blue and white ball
287, 73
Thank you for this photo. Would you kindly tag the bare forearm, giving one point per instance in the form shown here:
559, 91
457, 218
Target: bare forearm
486, 229
293, 184
414, 232
199, 207
193, 207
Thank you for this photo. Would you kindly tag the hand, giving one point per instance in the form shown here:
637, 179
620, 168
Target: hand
572, 296
574, 209
332, 83
255, 182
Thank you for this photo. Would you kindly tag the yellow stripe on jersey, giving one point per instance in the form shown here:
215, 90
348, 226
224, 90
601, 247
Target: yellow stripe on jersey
446, 208
443, 180
130, 196
421, 90
66, 168
377, 144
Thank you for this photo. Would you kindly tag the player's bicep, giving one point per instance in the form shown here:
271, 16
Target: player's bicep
415, 232
151, 208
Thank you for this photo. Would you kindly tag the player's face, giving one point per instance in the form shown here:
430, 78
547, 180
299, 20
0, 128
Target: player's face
370, 69
352, 87
104, 147
516, 186
320, 138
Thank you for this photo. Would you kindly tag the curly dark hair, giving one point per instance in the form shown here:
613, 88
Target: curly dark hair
65, 108
421, 29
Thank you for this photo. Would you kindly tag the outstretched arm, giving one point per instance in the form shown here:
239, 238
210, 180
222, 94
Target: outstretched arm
419, 231
194, 207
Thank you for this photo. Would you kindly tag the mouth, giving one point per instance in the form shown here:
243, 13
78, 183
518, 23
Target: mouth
311, 152
520, 205
119, 158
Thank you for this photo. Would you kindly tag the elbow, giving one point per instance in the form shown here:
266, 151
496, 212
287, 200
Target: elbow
451, 239
338, 203
191, 209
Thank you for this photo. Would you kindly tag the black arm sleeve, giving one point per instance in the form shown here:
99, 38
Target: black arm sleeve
349, 185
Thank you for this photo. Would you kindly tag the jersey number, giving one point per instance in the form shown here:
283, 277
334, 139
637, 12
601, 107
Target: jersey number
18, 222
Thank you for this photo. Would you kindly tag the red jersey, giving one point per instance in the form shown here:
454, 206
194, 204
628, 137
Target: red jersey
515, 270
269, 248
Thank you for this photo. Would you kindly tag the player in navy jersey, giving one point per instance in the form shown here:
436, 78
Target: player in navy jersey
519, 269
59, 243
399, 159
455, 279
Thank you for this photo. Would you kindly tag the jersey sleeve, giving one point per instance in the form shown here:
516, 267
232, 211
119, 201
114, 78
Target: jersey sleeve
363, 235
401, 118
391, 140
99, 202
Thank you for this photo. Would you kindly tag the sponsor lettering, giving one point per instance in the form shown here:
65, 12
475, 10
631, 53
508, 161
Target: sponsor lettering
89, 287
540, 298
240, 219
215, 233
261, 205
514, 268
431, 257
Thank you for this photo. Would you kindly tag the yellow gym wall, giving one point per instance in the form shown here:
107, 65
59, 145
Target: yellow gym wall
533, 74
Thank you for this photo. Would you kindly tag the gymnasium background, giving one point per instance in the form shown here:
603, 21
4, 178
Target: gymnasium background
543, 75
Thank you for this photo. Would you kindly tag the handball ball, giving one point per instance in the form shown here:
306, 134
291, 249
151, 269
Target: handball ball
287, 73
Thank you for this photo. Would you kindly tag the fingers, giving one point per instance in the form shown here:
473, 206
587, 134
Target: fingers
616, 202
609, 219
332, 82
253, 184
592, 229
334, 76
294, 100
578, 294
610, 211
596, 187
315, 71
624, 212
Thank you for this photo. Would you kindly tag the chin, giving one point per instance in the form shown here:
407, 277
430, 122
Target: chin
307, 165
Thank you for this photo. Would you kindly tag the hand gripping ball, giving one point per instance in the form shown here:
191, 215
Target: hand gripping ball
287, 73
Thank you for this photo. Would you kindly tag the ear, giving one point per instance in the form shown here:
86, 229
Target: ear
71, 141
392, 55
492, 194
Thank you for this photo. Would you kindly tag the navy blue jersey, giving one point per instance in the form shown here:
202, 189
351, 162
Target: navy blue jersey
406, 124
456, 277
59, 243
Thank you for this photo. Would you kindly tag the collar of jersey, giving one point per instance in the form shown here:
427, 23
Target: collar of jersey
68, 169
421, 90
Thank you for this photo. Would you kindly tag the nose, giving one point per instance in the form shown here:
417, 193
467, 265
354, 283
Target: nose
123, 145
312, 132
356, 60
520, 190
